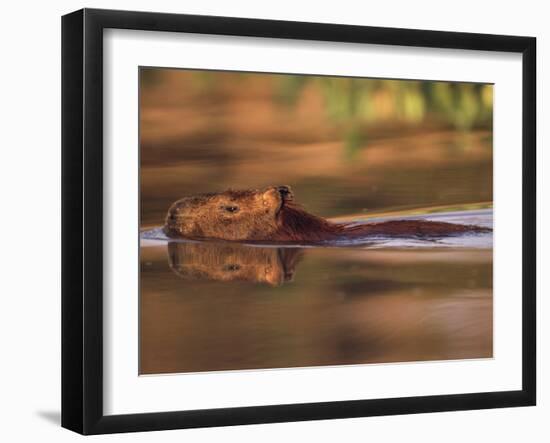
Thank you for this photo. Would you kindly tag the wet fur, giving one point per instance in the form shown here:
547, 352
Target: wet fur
295, 224
273, 215
298, 225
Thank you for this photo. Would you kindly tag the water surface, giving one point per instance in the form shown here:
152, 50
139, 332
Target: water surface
210, 306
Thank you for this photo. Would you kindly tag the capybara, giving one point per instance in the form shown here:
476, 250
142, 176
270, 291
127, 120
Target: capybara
272, 215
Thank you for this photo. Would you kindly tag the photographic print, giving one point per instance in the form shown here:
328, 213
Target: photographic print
292, 221
316, 236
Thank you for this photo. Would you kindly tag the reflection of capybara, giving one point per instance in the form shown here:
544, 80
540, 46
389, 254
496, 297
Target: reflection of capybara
233, 262
272, 215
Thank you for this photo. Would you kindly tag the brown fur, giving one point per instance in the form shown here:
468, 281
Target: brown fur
272, 215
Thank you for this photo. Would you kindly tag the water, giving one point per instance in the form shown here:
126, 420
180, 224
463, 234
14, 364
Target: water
209, 306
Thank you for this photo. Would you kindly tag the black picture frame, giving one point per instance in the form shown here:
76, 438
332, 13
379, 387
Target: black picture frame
82, 218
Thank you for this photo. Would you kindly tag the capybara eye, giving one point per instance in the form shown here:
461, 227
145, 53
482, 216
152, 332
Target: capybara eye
230, 208
231, 268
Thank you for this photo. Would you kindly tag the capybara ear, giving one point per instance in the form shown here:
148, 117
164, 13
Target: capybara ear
286, 192
272, 198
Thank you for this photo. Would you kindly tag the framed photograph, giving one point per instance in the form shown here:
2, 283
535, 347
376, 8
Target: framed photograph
268, 221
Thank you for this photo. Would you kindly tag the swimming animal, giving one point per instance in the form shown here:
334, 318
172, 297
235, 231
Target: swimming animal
272, 215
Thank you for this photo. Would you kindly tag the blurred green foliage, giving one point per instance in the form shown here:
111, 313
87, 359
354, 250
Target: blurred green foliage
461, 105
355, 103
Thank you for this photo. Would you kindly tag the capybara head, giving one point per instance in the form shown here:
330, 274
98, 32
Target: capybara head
229, 215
